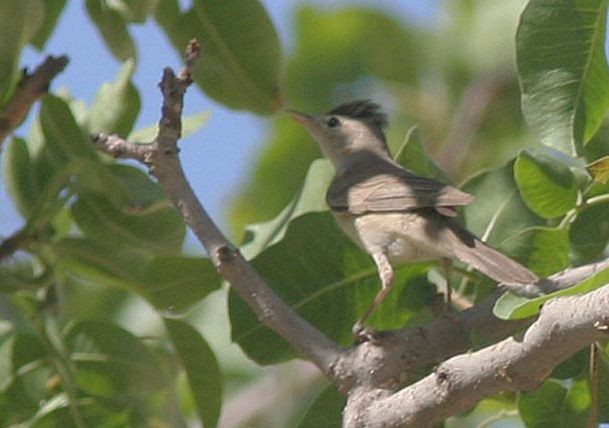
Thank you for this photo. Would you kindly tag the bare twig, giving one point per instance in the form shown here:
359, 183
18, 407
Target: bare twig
161, 158
30, 89
373, 372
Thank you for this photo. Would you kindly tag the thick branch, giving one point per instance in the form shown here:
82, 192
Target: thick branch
161, 157
30, 88
399, 355
564, 326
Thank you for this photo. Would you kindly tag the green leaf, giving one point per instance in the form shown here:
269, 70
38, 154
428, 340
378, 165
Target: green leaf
511, 306
202, 370
411, 155
563, 70
311, 198
117, 104
326, 411
111, 361
240, 52
64, 138
176, 283
56, 413
589, 233
498, 212
544, 250
171, 283
546, 184
328, 281
134, 10
19, 176
190, 124
52, 11
19, 21
553, 405
113, 29
599, 169
161, 230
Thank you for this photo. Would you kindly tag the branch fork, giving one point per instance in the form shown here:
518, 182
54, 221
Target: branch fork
373, 374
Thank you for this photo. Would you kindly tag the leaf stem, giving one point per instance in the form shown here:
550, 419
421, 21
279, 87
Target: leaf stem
588, 203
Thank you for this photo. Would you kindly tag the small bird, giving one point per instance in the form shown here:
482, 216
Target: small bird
392, 213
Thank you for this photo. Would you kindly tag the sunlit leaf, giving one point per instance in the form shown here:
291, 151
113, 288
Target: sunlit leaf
511, 306
599, 169
563, 70
116, 105
190, 124
19, 22
113, 29
546, 185
19, 176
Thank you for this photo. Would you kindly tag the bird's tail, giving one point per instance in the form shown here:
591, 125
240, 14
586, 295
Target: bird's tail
492, 263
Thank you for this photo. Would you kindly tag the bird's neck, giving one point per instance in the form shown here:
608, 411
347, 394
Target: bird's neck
362, 159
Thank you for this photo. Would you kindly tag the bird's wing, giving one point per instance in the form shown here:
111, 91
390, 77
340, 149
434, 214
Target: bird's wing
400, 190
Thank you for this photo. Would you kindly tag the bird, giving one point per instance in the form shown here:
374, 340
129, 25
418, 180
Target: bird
393, 214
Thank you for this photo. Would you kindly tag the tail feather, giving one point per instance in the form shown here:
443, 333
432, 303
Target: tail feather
494, 264
469, 249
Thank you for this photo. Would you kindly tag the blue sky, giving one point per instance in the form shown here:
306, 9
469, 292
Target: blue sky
216, 157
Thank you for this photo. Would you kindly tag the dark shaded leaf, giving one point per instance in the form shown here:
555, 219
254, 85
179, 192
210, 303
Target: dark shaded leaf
325, 411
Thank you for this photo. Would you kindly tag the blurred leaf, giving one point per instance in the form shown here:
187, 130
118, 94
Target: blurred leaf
141, 193
511, 306
161, 231
589, 233
19, 176
202, 371
546, 185
117, 104
553, 405
563, 70
56, 413
326, 410
599, 169
498, 212
335, 50
346, 44
111, 361
52, 12
113, 29
311, 198
240, 52
190, 124
64, 138
575, 366
411, 155
288, 156
134, 10
170, 283
19, 22
544, 250
178, 282
329, 281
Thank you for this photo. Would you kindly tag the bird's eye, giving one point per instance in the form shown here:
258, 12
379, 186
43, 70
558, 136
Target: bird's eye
333, 122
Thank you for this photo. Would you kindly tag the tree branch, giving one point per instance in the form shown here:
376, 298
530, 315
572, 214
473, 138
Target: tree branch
374, 371
518, 363
29, 90
161, 158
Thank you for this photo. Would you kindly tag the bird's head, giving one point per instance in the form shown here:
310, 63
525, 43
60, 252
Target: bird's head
347, 130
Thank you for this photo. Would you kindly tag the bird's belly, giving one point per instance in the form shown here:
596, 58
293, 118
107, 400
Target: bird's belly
401, 236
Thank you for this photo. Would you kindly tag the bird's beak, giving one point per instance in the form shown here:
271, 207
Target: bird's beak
303, 118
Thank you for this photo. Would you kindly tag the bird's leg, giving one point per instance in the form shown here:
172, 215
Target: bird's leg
447, 265
386, 275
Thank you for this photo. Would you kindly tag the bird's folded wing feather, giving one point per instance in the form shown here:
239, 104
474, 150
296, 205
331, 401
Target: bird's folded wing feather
359, 193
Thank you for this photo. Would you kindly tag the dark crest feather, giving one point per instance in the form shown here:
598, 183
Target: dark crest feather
364, 110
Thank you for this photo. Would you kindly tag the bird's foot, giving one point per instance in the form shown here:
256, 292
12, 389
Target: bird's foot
363, 334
